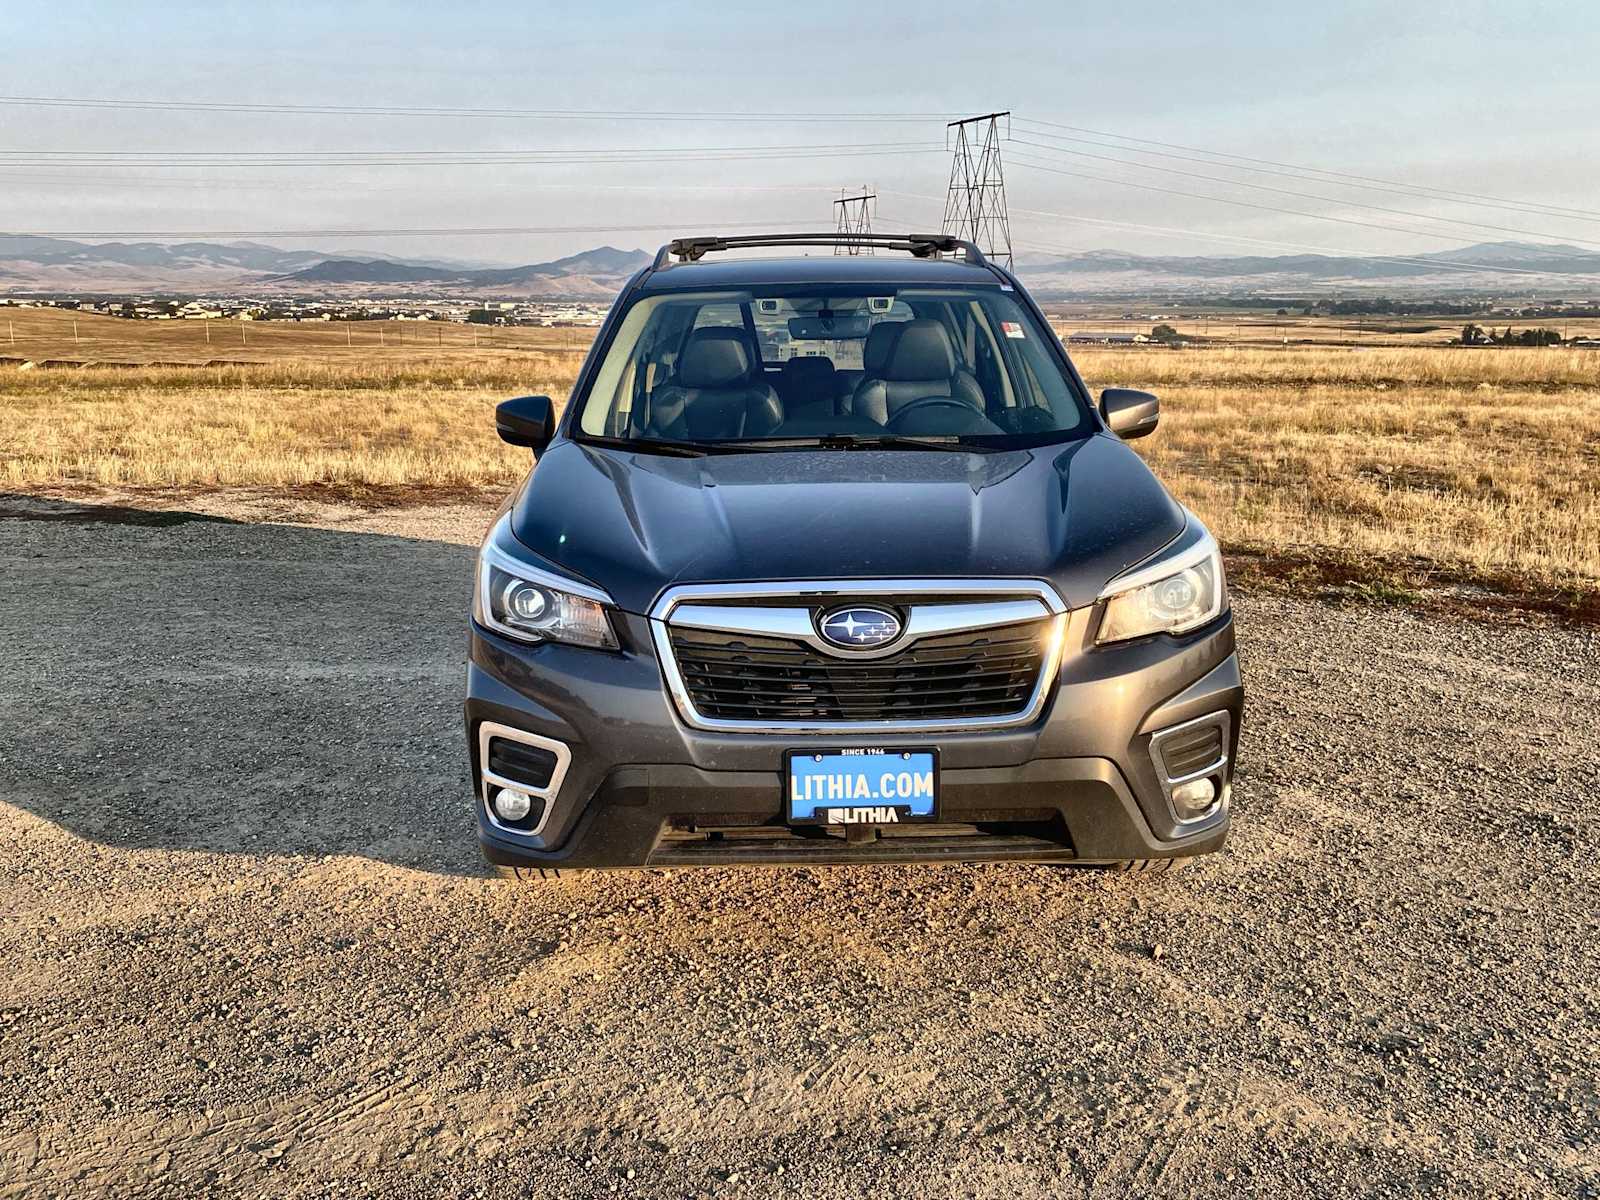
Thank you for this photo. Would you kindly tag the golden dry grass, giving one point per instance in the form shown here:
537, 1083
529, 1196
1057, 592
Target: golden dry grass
63, 336
351, 428
1484, 465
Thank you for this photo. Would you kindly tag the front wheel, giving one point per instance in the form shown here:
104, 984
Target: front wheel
527, 874
1150, 866
1142, 866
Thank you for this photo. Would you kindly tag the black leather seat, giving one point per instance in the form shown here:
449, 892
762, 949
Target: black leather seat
909, 361
715, 393
807, 387
874, 354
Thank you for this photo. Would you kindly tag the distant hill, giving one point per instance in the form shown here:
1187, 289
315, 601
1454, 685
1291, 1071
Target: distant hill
351, 270
1495, 266
36, 264
598, 272
56, 264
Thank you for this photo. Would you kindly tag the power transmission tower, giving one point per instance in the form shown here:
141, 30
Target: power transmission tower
853, 214
975, 204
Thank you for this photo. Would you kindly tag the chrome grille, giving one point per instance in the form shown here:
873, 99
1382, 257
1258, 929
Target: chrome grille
984, 673
973, 654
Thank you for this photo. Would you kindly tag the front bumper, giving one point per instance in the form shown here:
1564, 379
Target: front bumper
642, 789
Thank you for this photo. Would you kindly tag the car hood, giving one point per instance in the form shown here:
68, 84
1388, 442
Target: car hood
634, 524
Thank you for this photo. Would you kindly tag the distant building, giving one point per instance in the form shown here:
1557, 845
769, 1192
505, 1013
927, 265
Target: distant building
1107, 339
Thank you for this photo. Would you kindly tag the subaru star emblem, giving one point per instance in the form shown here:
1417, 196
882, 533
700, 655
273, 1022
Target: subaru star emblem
859, 628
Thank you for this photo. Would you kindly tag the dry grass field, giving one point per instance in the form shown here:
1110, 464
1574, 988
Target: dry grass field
1396, 466
1266, 329
1380, 471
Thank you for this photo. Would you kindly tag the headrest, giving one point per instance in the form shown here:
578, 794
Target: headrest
809, 370
880, 340
714, 358
921, 352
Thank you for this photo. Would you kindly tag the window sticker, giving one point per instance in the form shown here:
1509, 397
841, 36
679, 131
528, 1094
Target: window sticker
1012, 329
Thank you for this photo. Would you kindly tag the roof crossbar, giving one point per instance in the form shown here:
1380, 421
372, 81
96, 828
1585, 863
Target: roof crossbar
922, 245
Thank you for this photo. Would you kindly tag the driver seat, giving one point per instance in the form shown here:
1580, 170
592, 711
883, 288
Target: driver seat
715, 393
913, 360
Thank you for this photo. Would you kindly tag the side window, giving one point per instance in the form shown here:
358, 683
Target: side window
983, 358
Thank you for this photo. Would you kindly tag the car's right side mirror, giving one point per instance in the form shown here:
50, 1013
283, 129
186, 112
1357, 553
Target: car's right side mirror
526, 421
1130, 414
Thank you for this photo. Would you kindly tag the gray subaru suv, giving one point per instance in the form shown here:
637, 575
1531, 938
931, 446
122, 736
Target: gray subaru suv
830, 558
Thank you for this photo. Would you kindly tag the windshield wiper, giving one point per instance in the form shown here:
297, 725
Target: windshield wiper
850, 441
687, 449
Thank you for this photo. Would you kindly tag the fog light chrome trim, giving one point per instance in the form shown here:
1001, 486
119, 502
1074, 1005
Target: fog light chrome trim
1158, 740
490, 782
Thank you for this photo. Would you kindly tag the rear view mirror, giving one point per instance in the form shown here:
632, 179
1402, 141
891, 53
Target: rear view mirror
526, 421
1130, 414
843, 327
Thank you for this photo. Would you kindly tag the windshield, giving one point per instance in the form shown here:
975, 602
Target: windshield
828, 365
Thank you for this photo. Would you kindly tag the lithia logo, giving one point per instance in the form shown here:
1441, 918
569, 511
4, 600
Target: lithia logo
883, 814
859, 628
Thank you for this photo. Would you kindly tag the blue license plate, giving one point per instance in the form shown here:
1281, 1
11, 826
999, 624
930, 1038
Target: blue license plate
861, 787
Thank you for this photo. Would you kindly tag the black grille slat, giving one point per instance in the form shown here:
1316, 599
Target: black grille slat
865, 700
984, 673
736, 669
1186, 753
528, 765
855, 686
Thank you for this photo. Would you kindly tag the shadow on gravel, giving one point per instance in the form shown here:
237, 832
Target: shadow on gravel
173, 680
30, 508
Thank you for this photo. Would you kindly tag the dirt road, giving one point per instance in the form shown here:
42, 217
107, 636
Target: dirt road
249, 948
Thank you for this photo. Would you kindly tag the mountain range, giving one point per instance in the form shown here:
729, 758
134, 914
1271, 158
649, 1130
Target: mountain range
596, 273
59, 266
1488, 266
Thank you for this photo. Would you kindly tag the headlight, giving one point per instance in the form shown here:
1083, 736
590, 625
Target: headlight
521, 601
1171, 595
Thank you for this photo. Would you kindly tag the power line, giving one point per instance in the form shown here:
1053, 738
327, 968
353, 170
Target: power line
534, 185
472, 231
312, 155
420, 110
975, 201
323, 159
1444, 193
853, 215
1291, 212
1311, 174
1262, 187
1280, 244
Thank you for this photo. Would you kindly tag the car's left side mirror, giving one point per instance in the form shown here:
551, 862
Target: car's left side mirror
1130, 414
526, 421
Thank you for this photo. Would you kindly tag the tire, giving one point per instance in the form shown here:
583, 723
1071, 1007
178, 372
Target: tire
1150, 866
528, 874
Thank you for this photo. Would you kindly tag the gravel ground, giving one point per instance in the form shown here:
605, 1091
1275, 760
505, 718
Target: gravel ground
249, 947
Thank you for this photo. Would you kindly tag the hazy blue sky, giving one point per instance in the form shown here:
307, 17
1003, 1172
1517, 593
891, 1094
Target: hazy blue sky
1490, 98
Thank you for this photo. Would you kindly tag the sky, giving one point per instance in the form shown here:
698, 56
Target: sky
1495, 100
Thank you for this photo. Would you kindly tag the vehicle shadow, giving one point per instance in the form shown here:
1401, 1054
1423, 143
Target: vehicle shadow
180, 681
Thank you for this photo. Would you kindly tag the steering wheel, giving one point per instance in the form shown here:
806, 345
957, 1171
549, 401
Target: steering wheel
929, 403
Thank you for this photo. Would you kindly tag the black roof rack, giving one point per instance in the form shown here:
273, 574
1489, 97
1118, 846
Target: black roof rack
922, 245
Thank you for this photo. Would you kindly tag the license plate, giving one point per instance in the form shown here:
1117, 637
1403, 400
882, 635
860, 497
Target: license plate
861, 787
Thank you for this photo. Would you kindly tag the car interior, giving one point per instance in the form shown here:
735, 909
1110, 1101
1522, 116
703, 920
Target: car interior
720, 369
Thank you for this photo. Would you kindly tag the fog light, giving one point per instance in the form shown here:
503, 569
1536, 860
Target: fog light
512, 806
1192, 798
